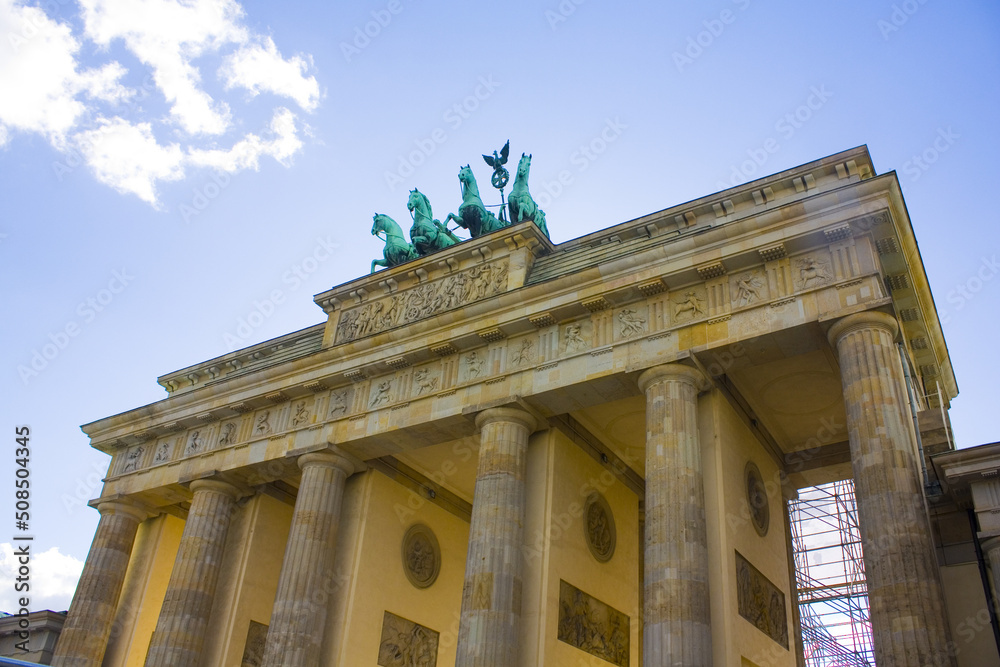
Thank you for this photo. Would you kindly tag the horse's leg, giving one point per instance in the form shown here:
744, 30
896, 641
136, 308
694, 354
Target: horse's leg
378, 262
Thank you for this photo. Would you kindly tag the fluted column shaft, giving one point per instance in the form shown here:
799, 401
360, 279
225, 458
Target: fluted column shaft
295, 635
677, 621
180, 631
907, 607
85, 634
491, 597
991, 548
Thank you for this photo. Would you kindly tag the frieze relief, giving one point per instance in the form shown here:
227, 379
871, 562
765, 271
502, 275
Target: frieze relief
406, 644
812, 270
631, 322
593, 626
689, 305
761, 602
423, 301
748, 288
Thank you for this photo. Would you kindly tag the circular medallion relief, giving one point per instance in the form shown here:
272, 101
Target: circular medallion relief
760, 511
599, 527
421, 556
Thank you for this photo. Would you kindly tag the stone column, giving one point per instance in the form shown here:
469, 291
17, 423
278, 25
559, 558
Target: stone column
89, 622
298, 619
180, 631
491, 597
991, 549
677, 627
907, 607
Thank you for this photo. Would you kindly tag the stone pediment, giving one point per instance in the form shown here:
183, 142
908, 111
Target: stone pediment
465, 273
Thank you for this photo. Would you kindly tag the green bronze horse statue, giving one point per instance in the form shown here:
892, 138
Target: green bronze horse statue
520, 204
472, 215
427, 234
396, 250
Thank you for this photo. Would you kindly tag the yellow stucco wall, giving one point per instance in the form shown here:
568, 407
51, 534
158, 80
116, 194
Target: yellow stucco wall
727, 446
369, 577
251, 566
560, 478
166, 531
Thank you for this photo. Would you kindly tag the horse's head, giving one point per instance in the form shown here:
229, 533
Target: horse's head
414, 199
524, 165
465, 175
382, 223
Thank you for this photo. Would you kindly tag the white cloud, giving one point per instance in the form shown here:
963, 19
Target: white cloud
259, 68
127, 157
45, 89
54, 576
167, 35
39, 75
246, 152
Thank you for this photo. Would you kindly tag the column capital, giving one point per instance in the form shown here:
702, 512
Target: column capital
328, 459
868, 319
124, 506
675, 372
990, 543
217, 486
515, 415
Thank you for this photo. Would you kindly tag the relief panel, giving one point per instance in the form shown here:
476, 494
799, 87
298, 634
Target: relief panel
593, 626
422, 301
761, 602
405, 643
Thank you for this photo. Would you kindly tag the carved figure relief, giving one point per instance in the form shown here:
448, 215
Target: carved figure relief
338, 402
228, 435
253, 650
163, 453
812, 271
263, 426
760, 512
425, 383
760, 601
132, 459
423, 301
748, 288
573, 337
382, 394
194, 443
631, 323
690, 306
421, 556
301, 416
599, 527
592, 626
406, 644
525, 352
475, 363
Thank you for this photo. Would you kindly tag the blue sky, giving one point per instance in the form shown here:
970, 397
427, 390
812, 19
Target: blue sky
170, 169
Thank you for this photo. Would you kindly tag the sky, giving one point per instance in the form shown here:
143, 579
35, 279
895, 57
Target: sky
179, 178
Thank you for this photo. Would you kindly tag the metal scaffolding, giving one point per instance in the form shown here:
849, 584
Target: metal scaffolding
830, 577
